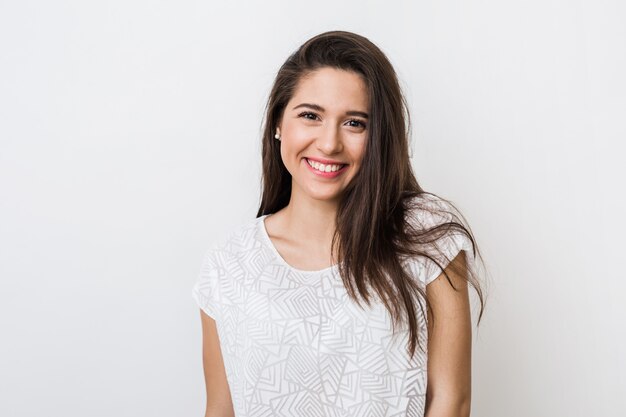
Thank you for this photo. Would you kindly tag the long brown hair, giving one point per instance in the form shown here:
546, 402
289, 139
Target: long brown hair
374, 225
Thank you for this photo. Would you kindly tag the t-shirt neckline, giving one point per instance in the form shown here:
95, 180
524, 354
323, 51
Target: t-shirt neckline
278, 256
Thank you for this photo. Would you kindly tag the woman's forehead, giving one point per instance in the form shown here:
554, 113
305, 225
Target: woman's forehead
331, 89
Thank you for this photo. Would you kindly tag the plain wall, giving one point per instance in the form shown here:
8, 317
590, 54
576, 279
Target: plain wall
130, 141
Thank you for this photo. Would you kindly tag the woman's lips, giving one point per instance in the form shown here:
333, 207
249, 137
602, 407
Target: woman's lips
323, 174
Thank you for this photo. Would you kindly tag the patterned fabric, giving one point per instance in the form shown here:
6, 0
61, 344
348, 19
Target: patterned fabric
295, 345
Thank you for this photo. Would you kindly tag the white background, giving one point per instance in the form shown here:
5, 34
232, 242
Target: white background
130, 141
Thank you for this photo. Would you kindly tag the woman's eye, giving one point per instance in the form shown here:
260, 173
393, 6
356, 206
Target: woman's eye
357, 123
306, 114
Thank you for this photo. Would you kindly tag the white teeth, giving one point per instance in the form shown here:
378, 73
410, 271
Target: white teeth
322, 167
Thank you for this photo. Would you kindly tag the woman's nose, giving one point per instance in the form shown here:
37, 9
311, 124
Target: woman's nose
329, 140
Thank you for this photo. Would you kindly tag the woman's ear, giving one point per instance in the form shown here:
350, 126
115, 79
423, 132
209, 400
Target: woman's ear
277, 129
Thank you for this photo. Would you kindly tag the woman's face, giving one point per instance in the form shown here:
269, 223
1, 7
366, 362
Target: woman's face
324, 124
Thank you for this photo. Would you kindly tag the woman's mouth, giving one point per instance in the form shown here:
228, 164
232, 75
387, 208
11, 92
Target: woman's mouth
326, 170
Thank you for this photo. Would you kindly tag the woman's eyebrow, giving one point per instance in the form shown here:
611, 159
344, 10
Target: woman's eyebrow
321, 109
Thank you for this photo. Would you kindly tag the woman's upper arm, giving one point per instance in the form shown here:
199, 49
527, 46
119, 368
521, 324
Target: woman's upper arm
218, 398
449, 342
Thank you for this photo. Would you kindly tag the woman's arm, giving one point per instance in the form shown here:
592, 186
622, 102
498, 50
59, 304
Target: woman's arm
218, 399
448, 391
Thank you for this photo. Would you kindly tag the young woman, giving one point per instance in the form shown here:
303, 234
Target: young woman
347, 295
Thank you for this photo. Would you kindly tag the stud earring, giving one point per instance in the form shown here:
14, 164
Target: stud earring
277, 136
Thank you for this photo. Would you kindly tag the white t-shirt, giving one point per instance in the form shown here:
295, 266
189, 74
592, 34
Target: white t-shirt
295, 345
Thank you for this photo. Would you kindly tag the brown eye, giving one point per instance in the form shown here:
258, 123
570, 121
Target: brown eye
306, 113
357, 123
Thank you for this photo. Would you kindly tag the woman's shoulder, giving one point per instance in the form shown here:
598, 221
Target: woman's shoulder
443, 230
438, 222
427, 210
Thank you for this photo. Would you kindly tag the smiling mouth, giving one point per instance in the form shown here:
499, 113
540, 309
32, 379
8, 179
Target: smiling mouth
324, 168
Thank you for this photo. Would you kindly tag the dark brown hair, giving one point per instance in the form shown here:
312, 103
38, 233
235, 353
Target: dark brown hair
375, 227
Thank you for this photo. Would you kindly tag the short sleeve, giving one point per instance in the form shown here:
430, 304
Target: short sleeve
446, 247
206, 290
450, 246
